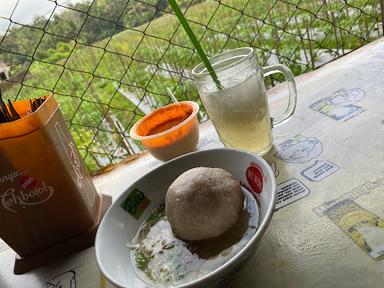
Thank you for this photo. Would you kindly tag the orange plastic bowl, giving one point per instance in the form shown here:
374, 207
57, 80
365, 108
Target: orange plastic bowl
169, 131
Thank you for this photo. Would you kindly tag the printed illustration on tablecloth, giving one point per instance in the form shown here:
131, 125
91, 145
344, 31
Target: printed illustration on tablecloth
299, 149
274, 168
206, 143
320, 170
290, 191
362, 226
64, 280
341, 105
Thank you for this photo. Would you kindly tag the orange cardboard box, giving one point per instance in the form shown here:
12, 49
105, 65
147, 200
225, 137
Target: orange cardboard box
46, 193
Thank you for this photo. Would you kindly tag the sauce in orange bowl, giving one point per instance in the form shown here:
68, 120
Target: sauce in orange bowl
169, 131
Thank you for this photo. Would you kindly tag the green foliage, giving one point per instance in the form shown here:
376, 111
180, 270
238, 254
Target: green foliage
86, 78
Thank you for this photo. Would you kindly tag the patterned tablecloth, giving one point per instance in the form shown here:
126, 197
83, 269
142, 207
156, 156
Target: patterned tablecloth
328, 230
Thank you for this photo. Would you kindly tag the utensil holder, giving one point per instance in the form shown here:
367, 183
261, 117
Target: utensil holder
48, 204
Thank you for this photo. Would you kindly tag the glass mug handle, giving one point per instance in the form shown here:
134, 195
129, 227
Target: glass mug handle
279, 68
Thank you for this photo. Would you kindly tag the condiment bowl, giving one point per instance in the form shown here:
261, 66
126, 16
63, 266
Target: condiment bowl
169, 131
129, 211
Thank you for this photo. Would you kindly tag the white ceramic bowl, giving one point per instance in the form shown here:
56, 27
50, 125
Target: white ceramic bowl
118, 227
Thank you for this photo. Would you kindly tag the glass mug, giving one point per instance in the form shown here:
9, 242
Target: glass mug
238, 106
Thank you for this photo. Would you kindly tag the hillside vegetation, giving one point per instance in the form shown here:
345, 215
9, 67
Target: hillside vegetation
98, 76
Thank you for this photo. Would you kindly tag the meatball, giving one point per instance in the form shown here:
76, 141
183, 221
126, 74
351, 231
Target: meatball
203, 203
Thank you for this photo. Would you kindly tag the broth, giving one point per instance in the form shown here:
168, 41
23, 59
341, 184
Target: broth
163, 260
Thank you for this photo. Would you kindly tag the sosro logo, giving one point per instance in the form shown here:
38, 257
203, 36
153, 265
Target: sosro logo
13, 199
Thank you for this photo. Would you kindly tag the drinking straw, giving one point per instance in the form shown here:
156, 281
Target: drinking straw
14, 114
172, 96
195, 42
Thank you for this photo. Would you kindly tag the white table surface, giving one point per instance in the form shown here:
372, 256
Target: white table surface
302, 247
